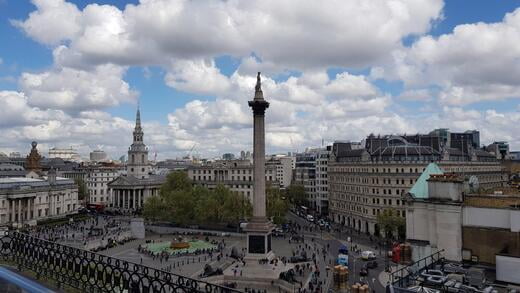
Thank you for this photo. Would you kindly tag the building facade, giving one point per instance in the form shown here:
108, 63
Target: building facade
128, 192
284, 169
305, 175
322, 181
363, 181
24, 201
65, 154
98, 156
311, 171
97, 179
237, 175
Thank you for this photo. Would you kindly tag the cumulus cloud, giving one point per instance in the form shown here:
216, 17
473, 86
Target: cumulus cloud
296, 34
476, 62
196, 76
75, 90
293, 43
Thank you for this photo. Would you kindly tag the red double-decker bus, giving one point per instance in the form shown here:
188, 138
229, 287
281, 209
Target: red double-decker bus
96, 207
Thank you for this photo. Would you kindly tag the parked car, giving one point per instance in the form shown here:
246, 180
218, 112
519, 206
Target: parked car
310, 218
368, 255
454, 268
372, 264
436, 280
429, 273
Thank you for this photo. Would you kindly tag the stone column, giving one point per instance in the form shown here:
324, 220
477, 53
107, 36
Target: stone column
13, 210
259, 105
19, 210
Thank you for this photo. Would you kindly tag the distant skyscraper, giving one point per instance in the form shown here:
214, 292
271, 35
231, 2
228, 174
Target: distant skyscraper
98, 156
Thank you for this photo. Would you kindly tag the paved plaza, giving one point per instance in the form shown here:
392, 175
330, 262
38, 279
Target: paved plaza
216, 249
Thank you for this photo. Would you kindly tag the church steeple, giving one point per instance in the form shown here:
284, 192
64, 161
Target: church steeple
138, 131
138, 153
138, 119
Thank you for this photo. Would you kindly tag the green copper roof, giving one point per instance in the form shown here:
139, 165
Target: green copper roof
420, 188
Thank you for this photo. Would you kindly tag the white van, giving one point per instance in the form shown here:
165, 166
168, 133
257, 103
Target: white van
310, 218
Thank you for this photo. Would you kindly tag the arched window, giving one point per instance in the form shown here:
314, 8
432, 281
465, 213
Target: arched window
142, 158
133, 158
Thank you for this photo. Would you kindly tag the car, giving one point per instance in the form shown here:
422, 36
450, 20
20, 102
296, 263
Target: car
363, 272
372, 265
454, 268
429, 273
368, 255
310, 218
436, 280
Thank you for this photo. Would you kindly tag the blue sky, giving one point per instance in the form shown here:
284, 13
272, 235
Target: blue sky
192, 80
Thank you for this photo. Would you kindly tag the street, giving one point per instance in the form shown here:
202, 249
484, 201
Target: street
334, 242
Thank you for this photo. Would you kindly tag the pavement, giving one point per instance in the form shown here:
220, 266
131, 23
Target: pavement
376, 278
315, 241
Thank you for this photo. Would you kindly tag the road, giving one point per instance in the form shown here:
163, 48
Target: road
334, 241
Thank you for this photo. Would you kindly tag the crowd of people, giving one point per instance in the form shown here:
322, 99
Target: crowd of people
81, 232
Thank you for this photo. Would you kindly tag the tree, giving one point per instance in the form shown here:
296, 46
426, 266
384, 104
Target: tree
82, 188
154, 208
276, 206
391, 223
181, 202
177, 180
296, 194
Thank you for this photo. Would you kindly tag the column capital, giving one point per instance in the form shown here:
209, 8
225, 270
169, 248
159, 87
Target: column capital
258, 106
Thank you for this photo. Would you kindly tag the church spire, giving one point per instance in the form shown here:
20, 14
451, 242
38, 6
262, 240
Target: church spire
138, 118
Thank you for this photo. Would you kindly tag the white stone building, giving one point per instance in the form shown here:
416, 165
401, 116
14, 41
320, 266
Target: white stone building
322, 185
97, 179
27, 200
64, 153
284, 169
443, 214
237, 175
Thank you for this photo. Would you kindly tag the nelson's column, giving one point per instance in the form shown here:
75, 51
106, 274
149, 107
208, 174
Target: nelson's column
256, 273
259, 228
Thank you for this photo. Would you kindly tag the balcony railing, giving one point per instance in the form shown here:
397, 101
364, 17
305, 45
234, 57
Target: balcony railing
91, 272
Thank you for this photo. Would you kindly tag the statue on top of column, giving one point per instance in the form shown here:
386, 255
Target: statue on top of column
258, 86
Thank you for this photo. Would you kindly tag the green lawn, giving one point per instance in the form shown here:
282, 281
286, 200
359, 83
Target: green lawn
165, 246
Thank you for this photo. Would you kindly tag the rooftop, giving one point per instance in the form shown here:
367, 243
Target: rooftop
420, 188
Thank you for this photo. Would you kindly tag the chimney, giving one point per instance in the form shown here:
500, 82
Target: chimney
51, 176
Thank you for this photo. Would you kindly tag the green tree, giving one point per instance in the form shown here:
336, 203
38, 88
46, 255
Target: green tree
276, 206
154, 208
296, 194
82, 188
391, 223
175, 201
177, 180
181, 202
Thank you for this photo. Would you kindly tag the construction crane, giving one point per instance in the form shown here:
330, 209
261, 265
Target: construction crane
191, 150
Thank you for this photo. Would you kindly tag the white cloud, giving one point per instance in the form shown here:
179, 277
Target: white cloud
197, 76
75, 90
416, 95
476, 62
295, 34
52, 22
292, 43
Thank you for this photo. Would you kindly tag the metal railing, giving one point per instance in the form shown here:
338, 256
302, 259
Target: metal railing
405, 276
92, 272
